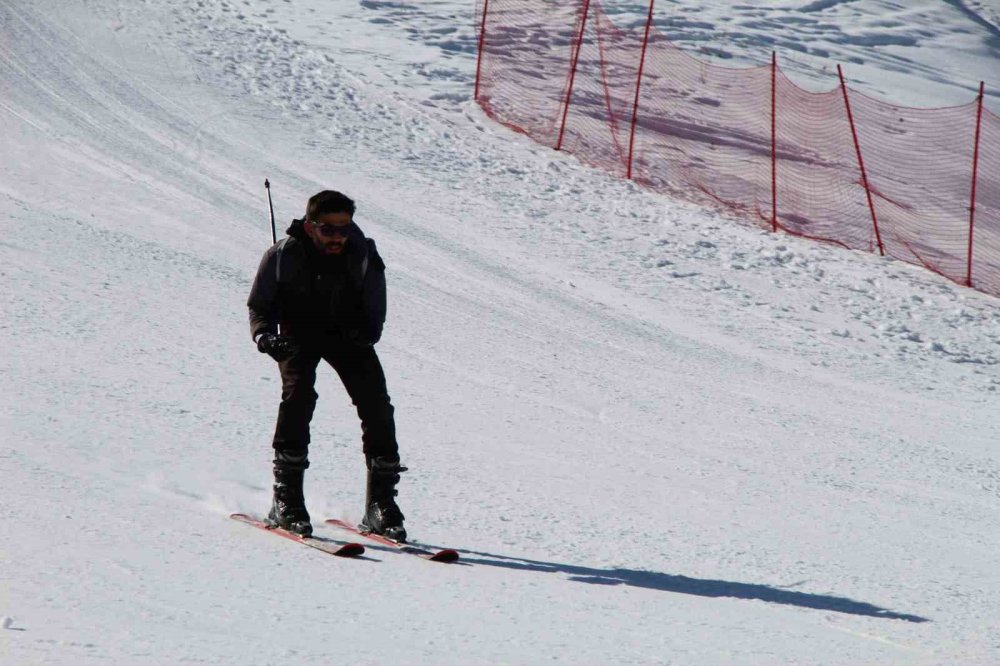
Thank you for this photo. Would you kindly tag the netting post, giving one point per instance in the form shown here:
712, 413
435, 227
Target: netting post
572, 73
861, 162
975, 173
774, 141
638, 84
479, 54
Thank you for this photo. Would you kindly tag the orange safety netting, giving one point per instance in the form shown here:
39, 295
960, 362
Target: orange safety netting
838, 166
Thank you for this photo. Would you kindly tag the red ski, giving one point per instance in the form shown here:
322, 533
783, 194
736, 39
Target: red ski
441, 555
325, 545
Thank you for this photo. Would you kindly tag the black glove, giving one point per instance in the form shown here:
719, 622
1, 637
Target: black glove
276, 346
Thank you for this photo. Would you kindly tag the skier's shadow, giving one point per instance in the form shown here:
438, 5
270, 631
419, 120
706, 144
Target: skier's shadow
684, 585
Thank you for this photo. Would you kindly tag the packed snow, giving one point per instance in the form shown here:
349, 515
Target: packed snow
655, 434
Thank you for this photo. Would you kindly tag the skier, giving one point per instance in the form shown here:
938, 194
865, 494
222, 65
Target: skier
319, 294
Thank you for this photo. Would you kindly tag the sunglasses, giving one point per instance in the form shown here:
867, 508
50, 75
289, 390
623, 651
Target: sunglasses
331, 229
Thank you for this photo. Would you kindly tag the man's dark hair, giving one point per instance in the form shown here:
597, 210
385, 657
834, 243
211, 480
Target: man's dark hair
328, 201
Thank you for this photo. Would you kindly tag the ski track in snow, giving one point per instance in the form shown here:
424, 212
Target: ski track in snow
657, 435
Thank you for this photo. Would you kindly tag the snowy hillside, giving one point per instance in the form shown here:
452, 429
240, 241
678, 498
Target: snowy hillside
655, 435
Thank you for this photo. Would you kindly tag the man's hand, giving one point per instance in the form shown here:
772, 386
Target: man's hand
277, 347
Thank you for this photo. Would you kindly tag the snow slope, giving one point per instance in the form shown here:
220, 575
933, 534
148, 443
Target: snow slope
656, 435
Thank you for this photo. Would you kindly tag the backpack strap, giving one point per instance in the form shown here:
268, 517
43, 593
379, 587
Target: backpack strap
281, 249
369, 251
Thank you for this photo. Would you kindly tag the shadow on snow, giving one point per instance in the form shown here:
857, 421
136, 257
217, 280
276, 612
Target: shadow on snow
663, 582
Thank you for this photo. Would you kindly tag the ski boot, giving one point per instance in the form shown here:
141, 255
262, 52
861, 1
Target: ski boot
382, 515
288, 509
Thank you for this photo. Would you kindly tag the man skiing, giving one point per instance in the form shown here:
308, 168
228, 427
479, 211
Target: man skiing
319, 294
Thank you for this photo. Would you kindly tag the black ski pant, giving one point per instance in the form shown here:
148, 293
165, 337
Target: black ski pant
363, 378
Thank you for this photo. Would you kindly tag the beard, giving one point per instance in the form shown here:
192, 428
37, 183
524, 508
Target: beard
334, 246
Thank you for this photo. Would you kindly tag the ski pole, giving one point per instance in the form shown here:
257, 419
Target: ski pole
274, 232
270, 205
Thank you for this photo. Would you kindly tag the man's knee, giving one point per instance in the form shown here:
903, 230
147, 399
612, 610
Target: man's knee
296, 395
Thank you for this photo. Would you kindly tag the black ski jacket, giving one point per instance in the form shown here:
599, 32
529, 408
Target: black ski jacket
319, 298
